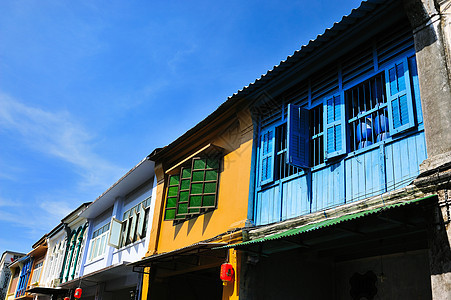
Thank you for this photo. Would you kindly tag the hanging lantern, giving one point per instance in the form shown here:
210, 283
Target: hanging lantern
77, 294
66, 298
227, 273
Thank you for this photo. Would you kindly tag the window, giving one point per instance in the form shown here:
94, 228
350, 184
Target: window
98, 241
133, 226
267, 156
316, 133
14, 280
298, 144
37, 272
367, 111
283, 169
382, 105
335, 140
399, 97
193, 190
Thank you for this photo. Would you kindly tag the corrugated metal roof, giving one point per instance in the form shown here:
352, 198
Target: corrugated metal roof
356, 14
365, 8
325, 223
194, 248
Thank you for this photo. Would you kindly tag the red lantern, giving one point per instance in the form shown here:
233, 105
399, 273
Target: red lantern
66, 298
77, 294
227, 272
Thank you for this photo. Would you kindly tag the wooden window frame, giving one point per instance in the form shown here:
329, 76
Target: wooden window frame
183, 186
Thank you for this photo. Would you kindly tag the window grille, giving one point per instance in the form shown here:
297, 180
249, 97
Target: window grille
316, 135
283, 169
367, 112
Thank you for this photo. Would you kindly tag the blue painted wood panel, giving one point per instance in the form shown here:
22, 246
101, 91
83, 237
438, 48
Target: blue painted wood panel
295, 200
388, 167
328, 188
403, 158
268, 206
365, 175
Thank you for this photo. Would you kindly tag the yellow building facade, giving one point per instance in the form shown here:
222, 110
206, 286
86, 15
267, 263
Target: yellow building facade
201, 205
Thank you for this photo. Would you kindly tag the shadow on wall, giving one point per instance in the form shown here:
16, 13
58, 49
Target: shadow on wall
440, 251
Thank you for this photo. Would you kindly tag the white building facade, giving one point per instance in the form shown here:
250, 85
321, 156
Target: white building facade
5, 274
118, 234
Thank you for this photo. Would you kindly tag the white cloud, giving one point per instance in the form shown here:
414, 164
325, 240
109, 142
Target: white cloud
40, 215
8, 203
59, 135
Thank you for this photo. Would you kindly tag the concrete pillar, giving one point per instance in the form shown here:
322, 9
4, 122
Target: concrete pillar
117, 213
86, 247
434, 77
439, 250
230, 290
100, 292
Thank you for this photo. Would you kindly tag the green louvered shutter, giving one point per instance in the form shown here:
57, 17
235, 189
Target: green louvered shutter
334, 120
298, 136
267, 146
172, 197
400, 107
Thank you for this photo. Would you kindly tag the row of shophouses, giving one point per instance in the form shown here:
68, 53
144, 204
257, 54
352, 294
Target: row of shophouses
326, 178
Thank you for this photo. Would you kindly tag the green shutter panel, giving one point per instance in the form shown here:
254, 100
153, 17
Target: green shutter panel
400, 108
204, 184
172, 197
334, 119
267, 146
298, 136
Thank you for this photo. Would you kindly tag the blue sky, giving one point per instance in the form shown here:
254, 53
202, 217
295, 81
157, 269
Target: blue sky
89, 88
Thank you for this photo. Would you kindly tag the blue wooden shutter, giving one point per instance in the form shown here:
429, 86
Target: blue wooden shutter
415, 88
398, 89
267, 146
297, 136
334, 120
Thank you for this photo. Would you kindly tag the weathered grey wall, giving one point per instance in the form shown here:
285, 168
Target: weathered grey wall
399, 276
434, 77
440, 253
431, 22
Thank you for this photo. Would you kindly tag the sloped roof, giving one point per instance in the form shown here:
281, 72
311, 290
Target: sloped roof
326, 223
365, 8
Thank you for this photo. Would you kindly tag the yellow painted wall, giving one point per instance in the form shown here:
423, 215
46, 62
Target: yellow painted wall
235, 136
233, 193
145, 284
231, 211
230, 290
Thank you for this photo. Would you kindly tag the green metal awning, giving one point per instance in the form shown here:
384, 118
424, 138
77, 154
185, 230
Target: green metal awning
325, 223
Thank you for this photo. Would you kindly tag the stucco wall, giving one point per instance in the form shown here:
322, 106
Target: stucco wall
231, 211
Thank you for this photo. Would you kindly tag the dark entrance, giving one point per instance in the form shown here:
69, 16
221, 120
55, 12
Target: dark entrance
190, 273
199, 285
